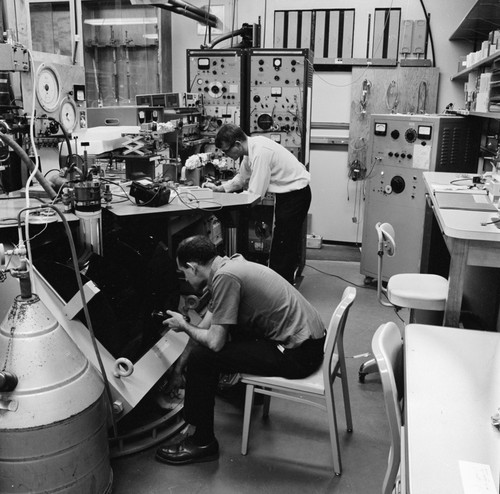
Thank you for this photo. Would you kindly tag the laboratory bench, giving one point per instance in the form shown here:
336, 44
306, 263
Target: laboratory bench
469, 225
452, 391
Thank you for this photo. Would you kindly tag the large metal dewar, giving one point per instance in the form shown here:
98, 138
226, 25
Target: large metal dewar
53, 420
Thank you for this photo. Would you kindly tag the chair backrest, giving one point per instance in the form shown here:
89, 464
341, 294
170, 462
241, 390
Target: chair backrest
335, 332
387, 346
386, 245
386, 238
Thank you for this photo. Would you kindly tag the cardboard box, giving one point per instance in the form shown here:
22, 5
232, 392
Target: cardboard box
314, 241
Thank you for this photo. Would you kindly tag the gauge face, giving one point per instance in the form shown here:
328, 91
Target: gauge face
68, 115
380, 129
265, 121
47, 88
216, 90
411, 135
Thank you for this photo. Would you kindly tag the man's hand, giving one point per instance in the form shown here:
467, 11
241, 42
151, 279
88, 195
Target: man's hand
176, 322
212, 186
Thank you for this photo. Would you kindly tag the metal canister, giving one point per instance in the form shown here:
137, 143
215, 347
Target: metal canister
88, 196
53, 424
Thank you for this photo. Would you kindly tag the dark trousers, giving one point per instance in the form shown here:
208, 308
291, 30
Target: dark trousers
290, 212
261, 357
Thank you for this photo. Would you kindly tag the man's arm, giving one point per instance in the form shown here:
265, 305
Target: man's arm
176, 380
238, 182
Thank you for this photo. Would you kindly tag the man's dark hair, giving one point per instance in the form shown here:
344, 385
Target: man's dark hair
228, 134
195, 249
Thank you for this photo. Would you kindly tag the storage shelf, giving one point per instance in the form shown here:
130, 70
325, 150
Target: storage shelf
465, 113
352, 62
482, 63
481, 19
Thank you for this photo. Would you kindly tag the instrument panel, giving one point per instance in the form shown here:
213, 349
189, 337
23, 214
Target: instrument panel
217, 75
60, 96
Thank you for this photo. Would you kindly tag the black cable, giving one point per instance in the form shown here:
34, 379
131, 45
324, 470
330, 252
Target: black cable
369, 287
430, 32
76, 268
51, 170
65, 134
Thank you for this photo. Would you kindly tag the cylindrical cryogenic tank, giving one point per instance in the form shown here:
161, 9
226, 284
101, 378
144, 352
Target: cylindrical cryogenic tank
53, 425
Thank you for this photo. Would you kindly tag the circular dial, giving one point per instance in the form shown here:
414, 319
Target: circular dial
47, 88
411, 135
67, 117
265, 121
398, 184
215, 90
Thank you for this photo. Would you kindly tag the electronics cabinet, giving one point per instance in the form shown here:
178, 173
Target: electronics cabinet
266, 92
401, 148
279, 88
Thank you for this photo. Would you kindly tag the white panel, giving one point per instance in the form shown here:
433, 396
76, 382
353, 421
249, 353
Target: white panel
333, 36
378, 33
331, 97
319, 37
394, 23
347, 48
293, 18
279, 27
331, 212
334, 199
306, 29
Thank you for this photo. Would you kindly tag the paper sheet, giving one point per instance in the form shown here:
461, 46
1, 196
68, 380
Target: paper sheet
477, 478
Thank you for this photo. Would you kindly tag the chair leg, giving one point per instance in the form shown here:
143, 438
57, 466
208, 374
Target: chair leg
265, 408
334, 436
345, 392
367, 367
247, 412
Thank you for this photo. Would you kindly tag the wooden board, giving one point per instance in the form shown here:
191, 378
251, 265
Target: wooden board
384, 87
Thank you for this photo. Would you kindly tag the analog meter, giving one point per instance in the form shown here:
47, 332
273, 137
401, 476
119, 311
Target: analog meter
48, 88
68, 116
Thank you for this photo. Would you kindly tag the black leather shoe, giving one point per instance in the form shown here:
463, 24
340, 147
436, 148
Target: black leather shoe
187, 452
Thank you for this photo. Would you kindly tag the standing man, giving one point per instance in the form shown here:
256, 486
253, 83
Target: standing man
269, 167
256, 323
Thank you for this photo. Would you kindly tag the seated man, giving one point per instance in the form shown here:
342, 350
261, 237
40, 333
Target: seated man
256, 323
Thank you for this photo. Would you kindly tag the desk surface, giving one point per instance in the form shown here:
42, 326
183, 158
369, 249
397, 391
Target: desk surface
220, 200
460, 223
10, 207
452, 388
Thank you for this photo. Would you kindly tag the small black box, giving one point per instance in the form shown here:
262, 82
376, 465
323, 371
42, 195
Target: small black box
148, 193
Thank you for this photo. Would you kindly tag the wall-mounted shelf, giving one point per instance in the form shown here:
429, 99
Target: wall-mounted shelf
481, 19
330, 63
482, 63
465, 113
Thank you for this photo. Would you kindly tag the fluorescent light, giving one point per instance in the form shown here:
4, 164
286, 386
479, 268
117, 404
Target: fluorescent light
150, 36
119, 21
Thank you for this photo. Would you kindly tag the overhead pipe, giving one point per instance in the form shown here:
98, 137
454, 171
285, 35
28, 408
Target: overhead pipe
185, 9
245, 30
